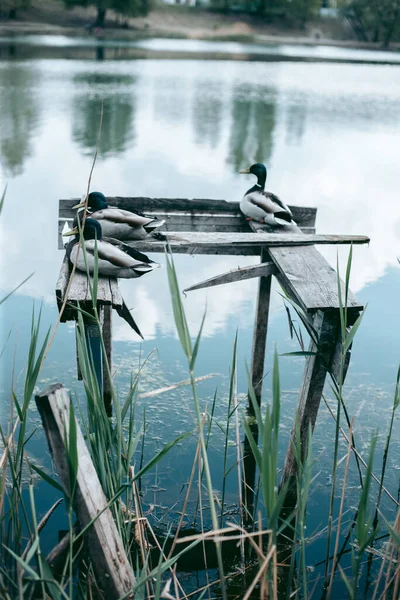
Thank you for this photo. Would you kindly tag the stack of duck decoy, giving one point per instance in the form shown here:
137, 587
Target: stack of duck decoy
106, 228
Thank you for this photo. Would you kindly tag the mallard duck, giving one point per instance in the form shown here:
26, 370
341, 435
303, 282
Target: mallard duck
116, 259
262, 206
118, 223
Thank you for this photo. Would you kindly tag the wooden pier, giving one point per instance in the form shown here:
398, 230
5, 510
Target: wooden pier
218, 227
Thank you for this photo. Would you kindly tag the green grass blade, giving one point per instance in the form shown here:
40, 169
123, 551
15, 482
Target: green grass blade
179, 313
160, 455
47, 477
197, 343
349, 338
15, 289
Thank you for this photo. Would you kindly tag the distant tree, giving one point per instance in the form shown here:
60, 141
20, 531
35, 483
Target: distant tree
375, 20
122, 7
10, 8
19, 115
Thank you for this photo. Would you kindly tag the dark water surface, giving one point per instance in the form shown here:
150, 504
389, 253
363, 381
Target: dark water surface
329, 134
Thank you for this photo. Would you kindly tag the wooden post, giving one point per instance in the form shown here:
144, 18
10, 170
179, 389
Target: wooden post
326, 325
257, 373
107, 340
93, 342
260, 333
114, 574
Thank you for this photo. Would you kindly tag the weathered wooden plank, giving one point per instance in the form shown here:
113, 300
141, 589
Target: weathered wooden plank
309, 279
306, 275
303, 215
239, 274
116, 296
62, 282
113, 572
108, 292
260, 332
238, 226
326, 326
218, 240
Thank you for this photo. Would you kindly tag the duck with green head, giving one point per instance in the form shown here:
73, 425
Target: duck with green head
259, 205
116, 222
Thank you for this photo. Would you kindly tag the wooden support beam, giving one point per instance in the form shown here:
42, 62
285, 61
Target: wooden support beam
93, 344
326, 326
114, 574
256, 374
260, 332
239, 274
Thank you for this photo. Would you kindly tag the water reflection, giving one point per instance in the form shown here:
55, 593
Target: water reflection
170, 98
253, 122
19, 115
207, 112
116, 93
183, 129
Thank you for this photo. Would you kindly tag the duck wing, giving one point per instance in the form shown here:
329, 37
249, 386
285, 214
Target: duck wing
112, 254
279, 202
267, 202
132, 252
117, 215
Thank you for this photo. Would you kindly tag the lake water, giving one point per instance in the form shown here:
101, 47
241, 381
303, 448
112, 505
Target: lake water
330, 135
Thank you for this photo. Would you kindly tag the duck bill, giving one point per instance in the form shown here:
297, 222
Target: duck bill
73, 231
244, 171
80, 205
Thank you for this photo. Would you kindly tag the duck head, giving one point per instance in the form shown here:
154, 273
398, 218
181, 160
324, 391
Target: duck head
259, 170
96, 201
91, 231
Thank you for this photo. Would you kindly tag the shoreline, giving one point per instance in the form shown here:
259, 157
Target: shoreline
116, 35
186, 24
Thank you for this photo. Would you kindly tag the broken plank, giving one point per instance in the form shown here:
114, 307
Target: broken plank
239, 274
113, 572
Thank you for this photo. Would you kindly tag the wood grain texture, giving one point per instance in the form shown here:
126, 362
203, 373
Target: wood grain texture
239, 274
234, 224
326, 325
113, 572
306, 275
309, 279
303, 215
260, 334
108, 292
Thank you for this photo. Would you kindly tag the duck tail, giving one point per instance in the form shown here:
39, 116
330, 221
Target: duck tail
124, 312
145, 268
155, 224
283, 215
